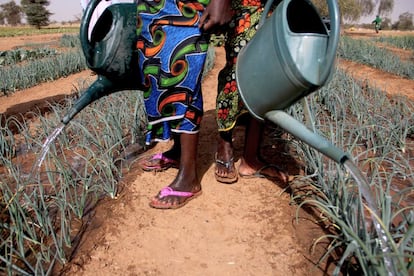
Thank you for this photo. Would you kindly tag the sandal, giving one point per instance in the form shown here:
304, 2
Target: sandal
231, 171
158, 202
157, 163
260, 173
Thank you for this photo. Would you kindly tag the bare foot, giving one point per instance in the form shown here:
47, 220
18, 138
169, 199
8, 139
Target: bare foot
259, 169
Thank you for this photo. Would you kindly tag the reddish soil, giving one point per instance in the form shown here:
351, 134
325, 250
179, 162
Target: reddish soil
248, 228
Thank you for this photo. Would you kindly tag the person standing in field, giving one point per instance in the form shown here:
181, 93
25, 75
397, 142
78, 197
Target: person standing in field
377, 23
245, 17
172, 46
230, 107
172, 43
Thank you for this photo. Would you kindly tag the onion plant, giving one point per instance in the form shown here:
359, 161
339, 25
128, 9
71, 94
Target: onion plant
403, 42
79, 169
40, 65
376, 131
40, 207
366, 52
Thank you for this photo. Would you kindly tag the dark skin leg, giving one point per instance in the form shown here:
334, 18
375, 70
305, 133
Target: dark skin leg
175, 152
251, 162
187, 178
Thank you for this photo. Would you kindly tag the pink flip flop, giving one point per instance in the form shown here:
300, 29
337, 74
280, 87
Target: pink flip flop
157, 162
158, 203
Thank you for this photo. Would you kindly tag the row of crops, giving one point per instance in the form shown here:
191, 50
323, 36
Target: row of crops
12, 57
24, 68
42, 213
7, 31
369, 53
33, 52
39, 211
379, 135
402, 42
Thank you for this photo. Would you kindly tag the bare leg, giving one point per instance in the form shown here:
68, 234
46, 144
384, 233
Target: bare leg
251, 152
175, 152
251, 162
186, 179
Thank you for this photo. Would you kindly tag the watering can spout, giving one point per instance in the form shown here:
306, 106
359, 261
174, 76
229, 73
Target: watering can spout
100, 88
300, 131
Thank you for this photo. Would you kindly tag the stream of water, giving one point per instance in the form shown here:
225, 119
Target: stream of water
45, 148
367, 194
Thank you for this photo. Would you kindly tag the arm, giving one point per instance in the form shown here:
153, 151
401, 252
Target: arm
217, 14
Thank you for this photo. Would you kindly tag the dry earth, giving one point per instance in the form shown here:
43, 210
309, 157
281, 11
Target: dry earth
248, 228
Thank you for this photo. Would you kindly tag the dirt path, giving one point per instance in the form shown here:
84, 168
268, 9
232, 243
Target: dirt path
30, 98
242, 229
387, 82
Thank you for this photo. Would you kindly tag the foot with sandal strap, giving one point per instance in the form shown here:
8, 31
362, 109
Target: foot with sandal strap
226, 171
186, 186
159, 162
251, 165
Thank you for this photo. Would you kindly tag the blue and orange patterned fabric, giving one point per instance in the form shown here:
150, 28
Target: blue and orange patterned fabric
172, 52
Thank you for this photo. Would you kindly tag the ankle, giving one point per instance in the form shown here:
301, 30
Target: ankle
172, 154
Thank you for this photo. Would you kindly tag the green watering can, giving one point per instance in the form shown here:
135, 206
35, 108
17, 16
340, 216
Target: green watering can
110, 52
291, 55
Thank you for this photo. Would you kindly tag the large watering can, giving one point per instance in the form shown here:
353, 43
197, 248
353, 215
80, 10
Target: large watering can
110, 50
291, 55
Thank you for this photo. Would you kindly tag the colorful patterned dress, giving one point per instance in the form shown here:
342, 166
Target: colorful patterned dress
229, 105
172, 52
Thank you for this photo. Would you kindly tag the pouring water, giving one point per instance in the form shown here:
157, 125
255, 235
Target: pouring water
111, 53
45, 148
369, 199
303, 55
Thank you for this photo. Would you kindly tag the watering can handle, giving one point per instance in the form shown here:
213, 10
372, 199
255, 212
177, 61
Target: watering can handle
334, 33
333, 37
84, 28
266, 11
